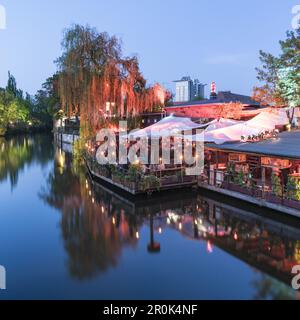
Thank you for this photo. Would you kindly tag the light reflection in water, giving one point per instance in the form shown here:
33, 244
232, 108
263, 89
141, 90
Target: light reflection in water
98, 225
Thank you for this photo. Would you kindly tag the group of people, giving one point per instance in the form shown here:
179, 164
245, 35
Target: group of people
262, 136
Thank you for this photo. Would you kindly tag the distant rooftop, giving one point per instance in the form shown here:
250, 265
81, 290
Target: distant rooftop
183, 79
286, 146
222, 97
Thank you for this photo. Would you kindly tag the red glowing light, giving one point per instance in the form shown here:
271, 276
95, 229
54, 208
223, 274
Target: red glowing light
209, 247
213, 87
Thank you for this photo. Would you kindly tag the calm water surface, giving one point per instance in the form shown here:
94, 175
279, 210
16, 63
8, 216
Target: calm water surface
63, 237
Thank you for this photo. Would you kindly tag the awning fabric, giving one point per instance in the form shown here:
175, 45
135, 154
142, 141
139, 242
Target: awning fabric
221, 123
262, 122
167, 127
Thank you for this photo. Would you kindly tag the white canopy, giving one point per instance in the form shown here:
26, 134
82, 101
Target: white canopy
262, 122
221, 123
166, 127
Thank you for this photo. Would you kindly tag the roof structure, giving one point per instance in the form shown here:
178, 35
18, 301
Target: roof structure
285, 146
210, 108
222, 97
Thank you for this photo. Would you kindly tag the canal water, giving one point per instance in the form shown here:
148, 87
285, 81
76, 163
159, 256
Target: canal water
64, 237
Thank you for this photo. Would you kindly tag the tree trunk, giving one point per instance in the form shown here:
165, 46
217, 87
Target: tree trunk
291, 116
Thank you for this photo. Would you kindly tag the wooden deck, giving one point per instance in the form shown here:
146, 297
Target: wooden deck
173, 186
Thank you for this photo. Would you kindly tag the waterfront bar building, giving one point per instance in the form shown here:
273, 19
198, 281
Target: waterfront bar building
267, 171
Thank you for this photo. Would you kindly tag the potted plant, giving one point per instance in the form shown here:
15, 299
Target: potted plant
293, 193
277, 192
150, 182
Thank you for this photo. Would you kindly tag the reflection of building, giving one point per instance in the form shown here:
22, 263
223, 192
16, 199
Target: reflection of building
97, 224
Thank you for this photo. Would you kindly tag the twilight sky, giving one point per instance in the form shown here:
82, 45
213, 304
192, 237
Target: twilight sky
213, 40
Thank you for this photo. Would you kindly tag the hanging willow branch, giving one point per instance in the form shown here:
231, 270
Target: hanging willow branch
94, 73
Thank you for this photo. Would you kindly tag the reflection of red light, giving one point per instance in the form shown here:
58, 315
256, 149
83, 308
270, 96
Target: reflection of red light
209, 247
235, 236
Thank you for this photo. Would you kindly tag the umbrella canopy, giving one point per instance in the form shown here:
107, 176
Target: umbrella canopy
221, 123
166, 127
262, 122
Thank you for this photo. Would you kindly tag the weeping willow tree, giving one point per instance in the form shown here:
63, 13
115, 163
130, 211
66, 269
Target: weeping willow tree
96, 81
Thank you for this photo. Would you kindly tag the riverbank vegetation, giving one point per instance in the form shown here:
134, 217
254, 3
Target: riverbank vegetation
23, 113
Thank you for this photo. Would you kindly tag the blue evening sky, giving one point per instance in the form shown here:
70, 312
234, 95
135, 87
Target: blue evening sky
213, 40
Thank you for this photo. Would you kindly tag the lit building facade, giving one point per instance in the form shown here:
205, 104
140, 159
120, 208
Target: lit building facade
188, 89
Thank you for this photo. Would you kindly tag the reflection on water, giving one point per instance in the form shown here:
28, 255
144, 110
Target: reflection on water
20, 151
104, 232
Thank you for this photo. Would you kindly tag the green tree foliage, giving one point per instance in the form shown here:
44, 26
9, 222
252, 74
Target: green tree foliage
22, 114
11, 87
281, 75
46, 101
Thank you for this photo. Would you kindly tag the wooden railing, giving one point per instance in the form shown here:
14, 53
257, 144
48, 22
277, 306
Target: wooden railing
285, 195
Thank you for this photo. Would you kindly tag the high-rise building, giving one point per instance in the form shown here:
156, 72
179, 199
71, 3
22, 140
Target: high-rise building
183, 89
198, 90
188, 89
